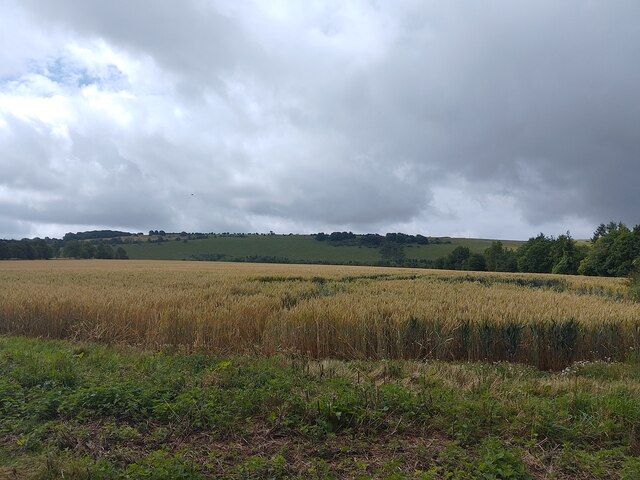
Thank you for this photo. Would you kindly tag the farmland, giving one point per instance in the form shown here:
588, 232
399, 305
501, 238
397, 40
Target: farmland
323, 311
171, 369
293, 248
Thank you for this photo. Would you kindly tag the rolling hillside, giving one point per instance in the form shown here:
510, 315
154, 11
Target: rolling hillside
294, 248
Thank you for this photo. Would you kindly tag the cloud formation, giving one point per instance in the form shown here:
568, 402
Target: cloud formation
498, 119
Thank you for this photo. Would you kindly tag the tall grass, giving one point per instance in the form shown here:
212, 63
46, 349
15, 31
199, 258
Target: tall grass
322, 311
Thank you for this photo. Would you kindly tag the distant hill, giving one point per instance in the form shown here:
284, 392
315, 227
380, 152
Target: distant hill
287, 248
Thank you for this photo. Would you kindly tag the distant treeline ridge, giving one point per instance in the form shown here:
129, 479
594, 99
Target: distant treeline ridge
614, 250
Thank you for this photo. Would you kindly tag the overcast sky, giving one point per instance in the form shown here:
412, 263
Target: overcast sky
494, 119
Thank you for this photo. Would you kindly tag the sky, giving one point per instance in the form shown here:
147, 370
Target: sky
490, 119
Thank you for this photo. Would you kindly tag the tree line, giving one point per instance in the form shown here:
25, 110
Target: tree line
30, 249
95, 235
614, 251
46, 248
88, 249
375, 240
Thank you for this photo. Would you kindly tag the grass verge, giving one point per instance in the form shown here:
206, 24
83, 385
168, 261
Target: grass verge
77, 410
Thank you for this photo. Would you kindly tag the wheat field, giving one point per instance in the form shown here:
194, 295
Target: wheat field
320, 311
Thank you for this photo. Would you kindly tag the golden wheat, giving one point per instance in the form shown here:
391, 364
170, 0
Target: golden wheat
322, 311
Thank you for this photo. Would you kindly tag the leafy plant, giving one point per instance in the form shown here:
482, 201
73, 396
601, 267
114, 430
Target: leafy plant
497, 462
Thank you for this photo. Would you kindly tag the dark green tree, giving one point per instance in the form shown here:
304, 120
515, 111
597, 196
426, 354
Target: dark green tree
566, 255
476, 263
457, 259
42, 249
72, 249
104, 251
392, 252
422, 240
614, 247
5, 251
500, 259
88, 250
371, 240
536, 255
24, 250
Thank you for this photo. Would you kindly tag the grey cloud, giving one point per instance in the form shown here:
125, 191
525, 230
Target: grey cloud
192, 39
10, 228
479, 92
26, 157
349, 116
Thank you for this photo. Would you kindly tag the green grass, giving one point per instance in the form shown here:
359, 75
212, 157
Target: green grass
70, 410
296, 248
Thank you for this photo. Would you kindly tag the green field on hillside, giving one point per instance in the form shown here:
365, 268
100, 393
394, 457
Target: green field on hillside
295, 248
